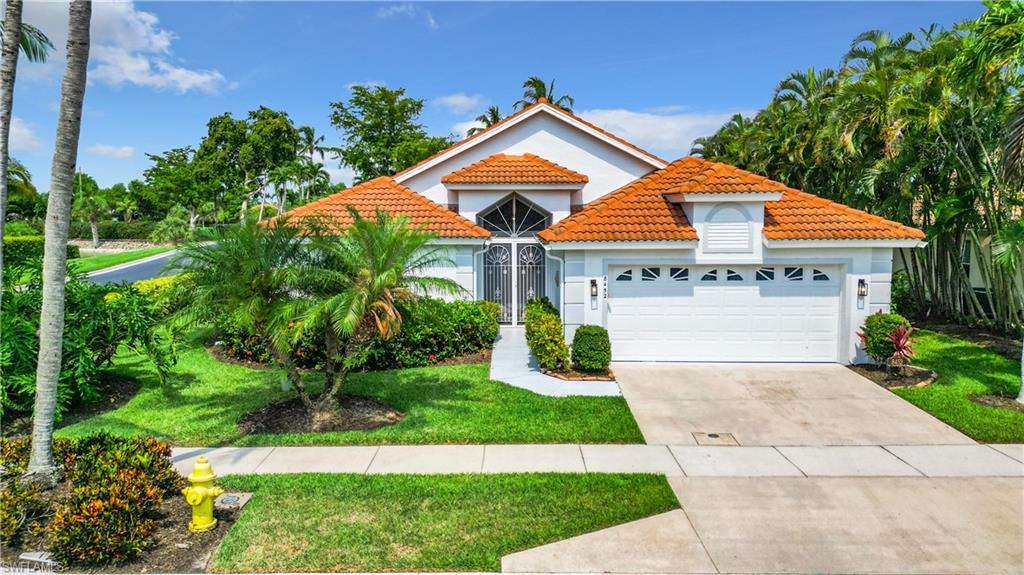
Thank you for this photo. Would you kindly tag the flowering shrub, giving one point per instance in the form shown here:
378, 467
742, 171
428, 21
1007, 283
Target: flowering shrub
876, 335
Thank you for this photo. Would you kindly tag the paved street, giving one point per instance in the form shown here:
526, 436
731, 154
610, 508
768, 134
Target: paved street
144, 269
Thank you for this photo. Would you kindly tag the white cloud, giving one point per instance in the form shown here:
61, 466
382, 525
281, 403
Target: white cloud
23, 138
460, 102
668, 134
408, 10
462, 128
118, 152
341, 174
128, 47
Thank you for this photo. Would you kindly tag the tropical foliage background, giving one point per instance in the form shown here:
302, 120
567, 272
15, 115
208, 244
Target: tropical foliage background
925, 129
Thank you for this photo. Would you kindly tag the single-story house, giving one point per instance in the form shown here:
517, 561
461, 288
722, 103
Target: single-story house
689, 260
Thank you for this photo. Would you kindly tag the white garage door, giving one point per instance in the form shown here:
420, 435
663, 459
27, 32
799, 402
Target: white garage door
723, 313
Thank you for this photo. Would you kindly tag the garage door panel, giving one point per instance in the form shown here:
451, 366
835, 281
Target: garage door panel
746, 320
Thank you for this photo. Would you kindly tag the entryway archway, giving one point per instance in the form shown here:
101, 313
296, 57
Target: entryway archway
514, 264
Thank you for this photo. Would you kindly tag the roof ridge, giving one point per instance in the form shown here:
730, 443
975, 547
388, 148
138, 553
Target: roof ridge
540, 102
510, 168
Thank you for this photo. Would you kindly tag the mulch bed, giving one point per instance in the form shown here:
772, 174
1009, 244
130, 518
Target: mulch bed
909, 376
173, 549
217, 353
1001, 344
998, 402
482, 356
115, 391
356, 413
572, 375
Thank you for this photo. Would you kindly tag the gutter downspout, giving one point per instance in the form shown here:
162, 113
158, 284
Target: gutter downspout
561, 284
487, 244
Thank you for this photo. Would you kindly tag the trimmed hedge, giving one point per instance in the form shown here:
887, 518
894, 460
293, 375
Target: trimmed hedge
433, 331
111, 230
20, 249
875, 334
591, 349
545, 335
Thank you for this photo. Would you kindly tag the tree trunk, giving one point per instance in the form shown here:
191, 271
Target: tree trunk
289, 366
192, 217
94, 225
58, 217
8, 69
331, 345
1020, 394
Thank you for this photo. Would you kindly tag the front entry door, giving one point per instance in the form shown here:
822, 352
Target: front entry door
513, 275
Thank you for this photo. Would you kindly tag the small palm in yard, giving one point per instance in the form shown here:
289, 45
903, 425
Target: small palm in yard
246, 276
356, 282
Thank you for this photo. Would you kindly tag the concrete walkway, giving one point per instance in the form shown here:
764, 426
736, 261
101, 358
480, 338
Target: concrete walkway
512, 363
673, 461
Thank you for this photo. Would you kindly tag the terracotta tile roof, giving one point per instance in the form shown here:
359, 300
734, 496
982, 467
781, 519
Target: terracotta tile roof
802, 216
509, 118
718, 178
639, 212
397, 200
506, 169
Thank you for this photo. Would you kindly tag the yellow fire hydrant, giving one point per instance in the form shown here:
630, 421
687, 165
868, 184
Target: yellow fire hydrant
200, 496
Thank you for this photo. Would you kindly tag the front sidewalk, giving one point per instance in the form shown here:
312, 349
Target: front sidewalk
512, 363
690, 461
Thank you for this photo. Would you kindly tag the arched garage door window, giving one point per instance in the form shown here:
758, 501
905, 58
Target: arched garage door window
514, 217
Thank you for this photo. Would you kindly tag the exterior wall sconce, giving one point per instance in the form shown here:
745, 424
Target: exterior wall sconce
593, 288
862, 287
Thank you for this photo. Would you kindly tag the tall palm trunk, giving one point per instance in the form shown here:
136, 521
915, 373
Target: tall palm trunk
58, 218
8, 70
94, 226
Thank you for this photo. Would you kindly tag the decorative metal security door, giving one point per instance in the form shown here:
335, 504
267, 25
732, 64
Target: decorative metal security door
529, 276
498, 279
511, 281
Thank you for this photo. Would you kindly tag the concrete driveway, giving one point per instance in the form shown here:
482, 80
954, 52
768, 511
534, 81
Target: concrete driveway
773, 404
891, 525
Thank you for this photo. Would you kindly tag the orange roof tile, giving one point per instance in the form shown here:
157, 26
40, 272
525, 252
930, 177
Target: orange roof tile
510, 117
640, 212
506, 169
397, 200
637, 211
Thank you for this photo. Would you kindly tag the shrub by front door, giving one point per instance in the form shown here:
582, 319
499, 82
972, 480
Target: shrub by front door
513, 275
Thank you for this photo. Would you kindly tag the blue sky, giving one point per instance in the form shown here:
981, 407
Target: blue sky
658, 74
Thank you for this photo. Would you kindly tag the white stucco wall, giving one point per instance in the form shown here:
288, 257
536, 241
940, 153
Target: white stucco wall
473, 202
873, 265
607, 167
461, 272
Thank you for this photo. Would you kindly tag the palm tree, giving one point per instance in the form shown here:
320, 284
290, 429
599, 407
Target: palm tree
247, 276
362, 278
310, 143
489, 118
1007, 251
126, 206
534, 89
58, 216
88, 205
36, 47
281, 177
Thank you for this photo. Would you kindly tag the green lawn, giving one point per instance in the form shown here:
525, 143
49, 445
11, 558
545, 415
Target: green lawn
93, 263
965, 370
323, 522
459, 404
